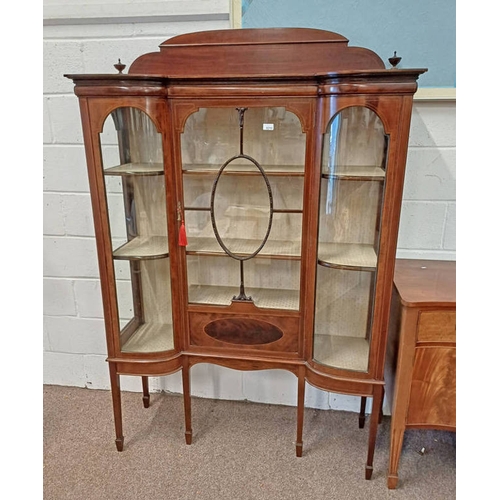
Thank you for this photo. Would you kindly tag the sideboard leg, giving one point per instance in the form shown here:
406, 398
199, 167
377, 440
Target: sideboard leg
378, 396
117, 405
362, 412
186, 389
397, 436
300, 412
145, 392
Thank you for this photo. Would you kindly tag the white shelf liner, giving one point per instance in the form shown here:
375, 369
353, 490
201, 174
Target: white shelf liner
368, 171
266, 298
349, 353
151, 337
246, 168
143, 246
348, 254
135, 169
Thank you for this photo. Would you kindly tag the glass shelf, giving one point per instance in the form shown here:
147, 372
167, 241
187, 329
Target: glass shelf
275, 210
244, 169
350, 353
361, 257
148, 247
266, 298
242, 246
356, 173
136, 169
150, 337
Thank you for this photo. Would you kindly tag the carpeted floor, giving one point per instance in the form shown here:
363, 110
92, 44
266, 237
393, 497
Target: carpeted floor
240, 450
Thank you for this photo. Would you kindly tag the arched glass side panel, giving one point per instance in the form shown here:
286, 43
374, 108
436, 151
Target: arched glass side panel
243, 182
352, 188
132, 159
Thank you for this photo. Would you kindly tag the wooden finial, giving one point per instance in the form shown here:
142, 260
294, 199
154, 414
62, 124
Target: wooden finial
119, 66
394, 60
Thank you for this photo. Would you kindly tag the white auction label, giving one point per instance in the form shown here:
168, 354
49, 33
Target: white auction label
268, 126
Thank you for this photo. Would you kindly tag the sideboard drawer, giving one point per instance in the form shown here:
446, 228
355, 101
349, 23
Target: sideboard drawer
436, 326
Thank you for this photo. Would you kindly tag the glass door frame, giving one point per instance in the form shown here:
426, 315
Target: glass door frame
304, 109
391, 110
95, 111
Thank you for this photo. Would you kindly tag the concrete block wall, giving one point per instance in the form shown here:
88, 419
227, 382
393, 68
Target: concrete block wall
427, 226
73, 333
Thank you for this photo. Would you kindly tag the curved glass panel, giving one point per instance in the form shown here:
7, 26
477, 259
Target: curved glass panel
351, 197
237, 140
132, 159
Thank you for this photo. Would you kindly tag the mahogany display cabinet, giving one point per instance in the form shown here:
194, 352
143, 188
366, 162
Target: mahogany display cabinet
246, 189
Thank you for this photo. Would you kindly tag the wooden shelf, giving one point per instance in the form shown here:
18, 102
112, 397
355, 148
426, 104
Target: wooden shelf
265, 298
349, 353
354, 256
240, 246
143, 248
151, 337
244, 169
136, 169
356, 173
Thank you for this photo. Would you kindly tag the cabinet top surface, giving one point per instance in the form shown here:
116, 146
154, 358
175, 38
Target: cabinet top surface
255, 36
426, 282
260, 53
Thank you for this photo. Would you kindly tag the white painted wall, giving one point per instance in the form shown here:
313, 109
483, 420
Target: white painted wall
73, 333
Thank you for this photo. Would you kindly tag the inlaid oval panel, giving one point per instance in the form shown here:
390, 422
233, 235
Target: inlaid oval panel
243, 331
241, 217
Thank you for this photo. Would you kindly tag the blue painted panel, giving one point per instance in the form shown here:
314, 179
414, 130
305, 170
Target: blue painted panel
423, 32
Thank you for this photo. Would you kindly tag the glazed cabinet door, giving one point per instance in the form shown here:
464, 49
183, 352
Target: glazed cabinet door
351, 194
243, 182
130, 171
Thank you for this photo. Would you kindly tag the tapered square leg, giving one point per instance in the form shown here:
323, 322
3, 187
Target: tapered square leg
186, 389
145, 392
117, 406
397, 436
300, 412
378, 396
362, 412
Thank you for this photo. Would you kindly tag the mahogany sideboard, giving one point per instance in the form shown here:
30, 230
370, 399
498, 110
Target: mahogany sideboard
423, 336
